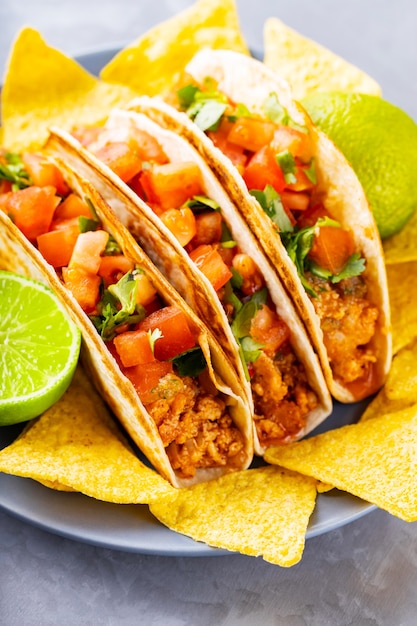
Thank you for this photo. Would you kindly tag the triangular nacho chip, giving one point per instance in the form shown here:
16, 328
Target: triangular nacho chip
76, 446
43, 87
156, 60
403, 302
259, 512
310, 67
375, 460
402, 247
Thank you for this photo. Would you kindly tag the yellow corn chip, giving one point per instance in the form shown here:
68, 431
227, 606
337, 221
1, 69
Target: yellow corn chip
402, 247
42, 87
309, 67
258, 512
75, 445
375, 460
154, 63
403, 302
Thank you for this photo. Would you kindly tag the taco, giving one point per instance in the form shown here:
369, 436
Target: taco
302, 201
195, 235
155, 363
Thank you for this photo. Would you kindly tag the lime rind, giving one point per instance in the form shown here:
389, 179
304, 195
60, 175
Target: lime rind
39, 348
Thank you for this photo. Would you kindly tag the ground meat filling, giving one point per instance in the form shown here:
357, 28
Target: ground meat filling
348, 322
282, 396
195, 426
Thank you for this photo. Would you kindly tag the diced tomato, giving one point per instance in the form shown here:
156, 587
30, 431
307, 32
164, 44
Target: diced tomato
235, 153
134, 348
146, 377
31, 209
181, 223
122, 158
295, 141
310, 217
57, 246
148, 147
302, 183
172, 184
208, 228
5, 186
295, 200
252, 278
88, 250
113, 267
251, 133
43, 173
72, 206
64, 224
177, 336
211, 264
269, 329
332, 248
263, 170
146, 292
85, 287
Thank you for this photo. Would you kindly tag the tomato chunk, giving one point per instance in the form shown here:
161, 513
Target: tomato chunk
295, 141
134, 348
263, 170
148, 147
235, 153
251, 133
57, 246
85, 287
181, 223
146, 292
72, 206
145, 377
212, 265
208, 228
113, 267
332, 248
176, 333
172, 184
31, 209
269, 329
43, 173
122, 158
88, 249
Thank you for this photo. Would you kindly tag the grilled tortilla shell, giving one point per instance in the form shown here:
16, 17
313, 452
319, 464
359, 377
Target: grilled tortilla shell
17, 254
246, 80
174, 261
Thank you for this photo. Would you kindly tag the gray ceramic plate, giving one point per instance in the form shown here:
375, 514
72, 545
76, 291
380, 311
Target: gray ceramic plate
132, 527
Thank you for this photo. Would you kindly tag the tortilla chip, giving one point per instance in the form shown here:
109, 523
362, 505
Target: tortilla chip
400, 390
402, 247
403, 302
375, 460
43, 87
309, 67
154, 63
76, 445
258, 512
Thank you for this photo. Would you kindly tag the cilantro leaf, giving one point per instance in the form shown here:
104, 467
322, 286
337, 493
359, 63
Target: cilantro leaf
286, 162
190, 363
202, 202
270, 202
186, 95
274, 110
251, 349
86, 224
118, 306
13, 170
209, 115
354, 267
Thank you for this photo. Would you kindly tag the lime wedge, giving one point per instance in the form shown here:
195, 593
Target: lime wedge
39, 348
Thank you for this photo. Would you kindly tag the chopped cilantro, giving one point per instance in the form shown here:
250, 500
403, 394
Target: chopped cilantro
86, 224
190, 363
310, 172
118, 306
274, 110
286, 162
209, 115
270, 202
186, 95
202, 202
13, 170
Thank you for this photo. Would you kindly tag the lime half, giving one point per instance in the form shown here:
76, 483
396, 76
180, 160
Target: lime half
39, 348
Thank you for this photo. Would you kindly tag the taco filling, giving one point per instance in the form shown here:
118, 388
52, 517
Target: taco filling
152, 342
275, 158
282, 396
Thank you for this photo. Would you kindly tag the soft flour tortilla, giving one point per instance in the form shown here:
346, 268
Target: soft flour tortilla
174, 261
244, 79
19, 255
